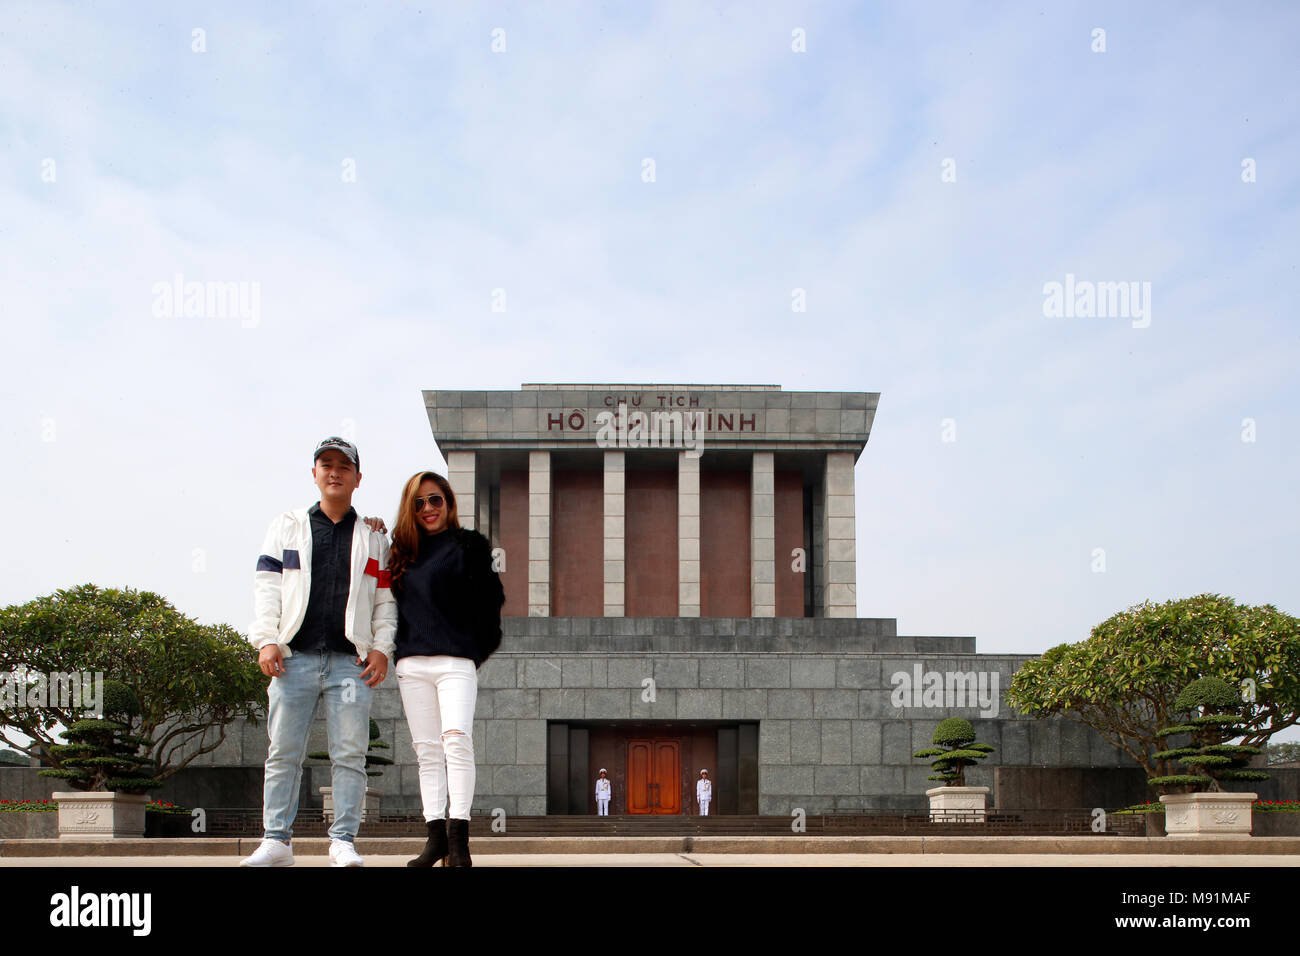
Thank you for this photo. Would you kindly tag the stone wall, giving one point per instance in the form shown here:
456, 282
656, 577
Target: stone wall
830, 737
1030, 787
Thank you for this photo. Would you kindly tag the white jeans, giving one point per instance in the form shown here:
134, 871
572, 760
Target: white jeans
438, 695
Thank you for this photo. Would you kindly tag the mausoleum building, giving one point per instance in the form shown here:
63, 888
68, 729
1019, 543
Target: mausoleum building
679, 569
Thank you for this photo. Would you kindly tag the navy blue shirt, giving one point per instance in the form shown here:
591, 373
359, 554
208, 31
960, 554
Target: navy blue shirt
432, 616
331, 576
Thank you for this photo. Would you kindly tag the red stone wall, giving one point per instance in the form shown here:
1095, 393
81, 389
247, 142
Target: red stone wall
724, 544
650, 543
577, 543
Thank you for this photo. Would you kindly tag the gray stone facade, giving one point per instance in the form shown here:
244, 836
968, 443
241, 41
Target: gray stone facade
820, 691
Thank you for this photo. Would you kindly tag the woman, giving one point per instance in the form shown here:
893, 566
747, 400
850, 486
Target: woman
449, 621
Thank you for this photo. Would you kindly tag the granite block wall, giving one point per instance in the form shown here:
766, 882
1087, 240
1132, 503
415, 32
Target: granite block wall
837, 724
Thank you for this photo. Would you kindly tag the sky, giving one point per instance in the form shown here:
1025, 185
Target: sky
647, 188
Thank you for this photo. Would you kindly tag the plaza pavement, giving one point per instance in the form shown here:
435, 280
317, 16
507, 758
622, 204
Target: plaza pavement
1245, 861
786, 851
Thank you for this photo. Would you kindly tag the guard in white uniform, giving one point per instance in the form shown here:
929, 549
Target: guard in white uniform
602, 794
703, 792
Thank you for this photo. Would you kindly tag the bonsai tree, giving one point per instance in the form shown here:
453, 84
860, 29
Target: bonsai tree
102, 754
1209, 755
379, 760
192, 680
956, 749
1123, 680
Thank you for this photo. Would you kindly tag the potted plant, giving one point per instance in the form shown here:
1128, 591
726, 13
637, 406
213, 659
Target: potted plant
102, 762
377, 760
1203, 807
1267, 817
954, 750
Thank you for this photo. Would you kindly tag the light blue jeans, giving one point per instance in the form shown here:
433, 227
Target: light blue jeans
309, 678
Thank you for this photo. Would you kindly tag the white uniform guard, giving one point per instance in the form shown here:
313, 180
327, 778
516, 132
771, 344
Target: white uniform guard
703, 792
602, 794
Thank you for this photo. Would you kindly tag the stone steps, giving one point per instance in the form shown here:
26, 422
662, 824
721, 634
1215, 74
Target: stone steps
806, 845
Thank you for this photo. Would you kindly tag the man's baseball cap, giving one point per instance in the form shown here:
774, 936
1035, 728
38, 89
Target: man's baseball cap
338, 444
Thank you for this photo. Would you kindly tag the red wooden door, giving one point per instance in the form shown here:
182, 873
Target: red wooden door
653, 776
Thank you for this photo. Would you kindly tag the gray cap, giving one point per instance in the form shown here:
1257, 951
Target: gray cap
338, 444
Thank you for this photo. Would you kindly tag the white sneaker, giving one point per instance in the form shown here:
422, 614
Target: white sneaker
270, 853
343, 853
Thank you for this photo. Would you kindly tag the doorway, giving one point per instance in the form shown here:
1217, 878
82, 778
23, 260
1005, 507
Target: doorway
653, 775
652, 765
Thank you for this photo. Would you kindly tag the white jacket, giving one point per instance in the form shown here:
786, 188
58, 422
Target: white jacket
283, 578
602, 788
703, 790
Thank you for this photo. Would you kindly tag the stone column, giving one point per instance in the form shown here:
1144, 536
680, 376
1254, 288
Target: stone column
688, 535
615, 565
460, 473
762, 535
839, 552
539, 534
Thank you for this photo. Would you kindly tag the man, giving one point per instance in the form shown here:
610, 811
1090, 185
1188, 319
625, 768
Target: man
703, 792
602, 794
325, 623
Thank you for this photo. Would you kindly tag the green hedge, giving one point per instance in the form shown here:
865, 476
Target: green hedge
51, 806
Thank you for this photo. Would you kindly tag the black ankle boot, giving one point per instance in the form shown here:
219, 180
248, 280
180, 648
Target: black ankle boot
435, 848
458, 843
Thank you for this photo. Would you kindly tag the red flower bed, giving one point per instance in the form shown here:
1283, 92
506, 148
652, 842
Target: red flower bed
28, 806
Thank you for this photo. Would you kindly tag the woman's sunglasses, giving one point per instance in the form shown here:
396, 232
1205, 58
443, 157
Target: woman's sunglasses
435, 501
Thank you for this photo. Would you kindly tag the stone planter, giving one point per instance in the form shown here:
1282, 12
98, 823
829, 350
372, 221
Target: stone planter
1207, 814
100, 815
371, 800
957, 804
39, 825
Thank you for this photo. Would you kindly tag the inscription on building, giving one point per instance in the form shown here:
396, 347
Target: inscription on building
702, 418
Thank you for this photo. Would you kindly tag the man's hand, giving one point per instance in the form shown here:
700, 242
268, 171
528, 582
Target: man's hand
271, 660
376, 524
376, 668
